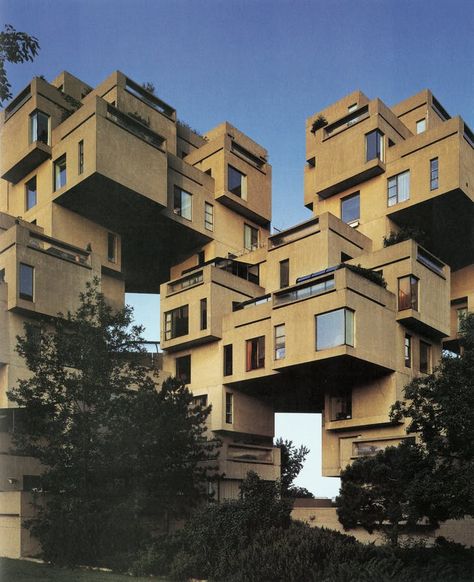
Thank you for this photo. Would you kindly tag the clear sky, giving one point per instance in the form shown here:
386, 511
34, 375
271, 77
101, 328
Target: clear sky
265, 66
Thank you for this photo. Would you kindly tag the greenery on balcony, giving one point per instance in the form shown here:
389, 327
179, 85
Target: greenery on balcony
137, 117
369, 274
405, 233
318, 123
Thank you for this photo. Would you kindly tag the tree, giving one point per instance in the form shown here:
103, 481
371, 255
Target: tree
292, 460
116, 451
440, 409
386, 491
15, 47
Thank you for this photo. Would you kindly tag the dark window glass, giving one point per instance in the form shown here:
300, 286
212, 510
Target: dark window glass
408, 293
228, 360
31, 197
407, 351
203, 313
112, 247
236, 182
284, 273
183, 369
229, 406
255, 357
425, 357
434, 174
341, 405
39, 127
80, 161
176, 322
350, 208
374, 145
26, 282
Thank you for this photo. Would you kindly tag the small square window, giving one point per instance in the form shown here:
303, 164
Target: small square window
341, 405
335, 328
398, 188
31, 193
176, 322
27, 275
421, 126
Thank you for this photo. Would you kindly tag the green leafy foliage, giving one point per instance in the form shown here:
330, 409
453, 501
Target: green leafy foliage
292, 460
405, 233
440, 408
15, 47
119, 456
369, 274
386, 491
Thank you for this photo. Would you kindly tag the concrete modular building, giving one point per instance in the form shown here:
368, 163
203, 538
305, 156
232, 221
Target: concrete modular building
322, 317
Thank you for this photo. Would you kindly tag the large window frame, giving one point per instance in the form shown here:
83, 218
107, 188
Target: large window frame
208, 216
26, 282
236, 182
255, 353
374, 146
176, 322
398, 188
60, 172
350, 208
228, 360
183, 369
40, 127
279, 342
251, 237
408, 292
183, 203
338, 322
31, 193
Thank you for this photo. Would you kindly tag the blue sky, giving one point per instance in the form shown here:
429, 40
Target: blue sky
265, 66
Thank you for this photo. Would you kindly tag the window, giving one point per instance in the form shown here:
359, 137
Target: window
461, 313
2, 275
80, 157
112, 247
228, 368
255, 353
30, 192
60, 173
311, 162
182, 205
250, 237
176, 322
208, 216
199, 401
208, 172
236, 182
341, 405
39, 127
408, 293
374, 145
352, 107
350, 208
407, 350
434, 174
421, 126
201, 256
335, 328
229, 407
398, 188
284, 273
203, 313
27, 274
280, 340
183, 369
425, 357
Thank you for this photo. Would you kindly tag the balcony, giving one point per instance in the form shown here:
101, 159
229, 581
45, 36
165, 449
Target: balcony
34, 155
237, 459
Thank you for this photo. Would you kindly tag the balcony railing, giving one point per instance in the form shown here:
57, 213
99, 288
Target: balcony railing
19, 100
252, 302
347, 121
429, 260
294, 233
134, 127
59, 249
304, 291
237, 268
185, 282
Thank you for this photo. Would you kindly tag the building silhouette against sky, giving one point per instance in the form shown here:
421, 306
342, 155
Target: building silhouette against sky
335, 315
